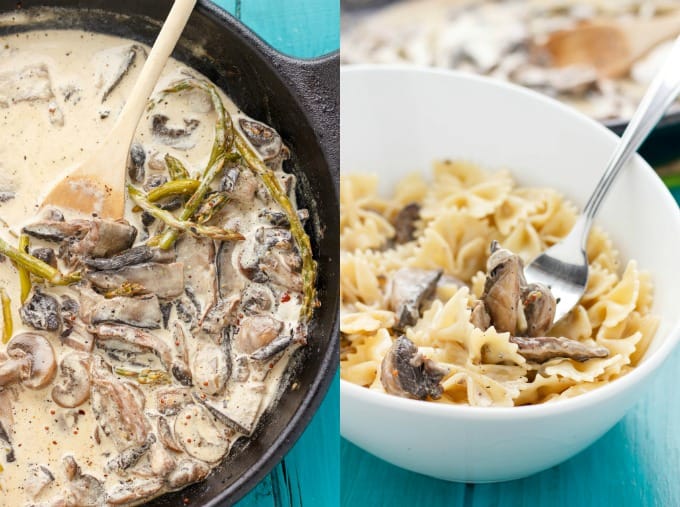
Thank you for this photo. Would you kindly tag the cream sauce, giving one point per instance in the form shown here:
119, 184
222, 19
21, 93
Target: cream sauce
42, 139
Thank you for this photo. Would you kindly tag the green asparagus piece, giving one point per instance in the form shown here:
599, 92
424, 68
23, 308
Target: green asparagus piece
169, 236
145, 376
176, 168
36, 266
212, 204
7, 324
304, 246
24, 275
182, 225
174, 187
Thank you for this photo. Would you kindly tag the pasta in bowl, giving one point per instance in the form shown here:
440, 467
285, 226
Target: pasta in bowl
413, 275
511, 167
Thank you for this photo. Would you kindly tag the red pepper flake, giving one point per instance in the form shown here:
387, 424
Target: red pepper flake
54, 442
185, 501
47, 428
81, 412
285, 297
75, 432
189, 416
52, 412
206, 383
189, 440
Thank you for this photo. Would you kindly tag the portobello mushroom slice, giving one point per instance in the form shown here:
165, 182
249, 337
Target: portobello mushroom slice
200, 275
539, 309
163, 280
240, 410
405, 223
82, 489
145, 342
41, 311
188, 471
256, 332
407, 373
104, 238
6, 423
37, 479
73, 387
137, 489
117, 408
57, 231
502, 290
142, 311
130, 457
540, 349
131, 257
410, 289
264, 139
211, 368
177, 137
200, 435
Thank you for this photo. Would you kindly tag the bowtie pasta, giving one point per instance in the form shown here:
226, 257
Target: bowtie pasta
413, 275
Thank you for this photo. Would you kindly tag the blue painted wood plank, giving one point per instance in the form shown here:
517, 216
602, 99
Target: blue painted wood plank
309, 474
301, 28
636, 464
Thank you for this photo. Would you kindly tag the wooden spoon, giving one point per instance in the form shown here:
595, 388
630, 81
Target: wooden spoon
97, 185
610, 47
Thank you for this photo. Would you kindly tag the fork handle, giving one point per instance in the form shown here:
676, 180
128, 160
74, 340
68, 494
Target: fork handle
658, 97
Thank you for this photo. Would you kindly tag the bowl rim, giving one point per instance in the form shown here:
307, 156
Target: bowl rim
650, 365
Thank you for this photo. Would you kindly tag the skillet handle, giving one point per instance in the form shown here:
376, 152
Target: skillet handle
317, 83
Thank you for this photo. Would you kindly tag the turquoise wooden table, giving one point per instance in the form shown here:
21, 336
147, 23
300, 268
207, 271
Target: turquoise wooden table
309, 473
636, 464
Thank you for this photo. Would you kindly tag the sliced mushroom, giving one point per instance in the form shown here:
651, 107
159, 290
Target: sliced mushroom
177, 137
163, 280
6, 423
257, 298
171, 400
240, 410
131, 257
15, 369
73, 387
117, 408
57, 230
41, 311
539, 309
264, 138
255, 332
83, 489
110, 74
513, 305
269, 256
161, 461
47, 255
405, 223
540, 349
279, 218
146, 342
129, 492
142, 311
276, 346
40, 354
198, 257
410, 289
136, 164
29, 84
229, 277
200, 435
105, 238
130, 456
188, 471
407, 373
211, 368
502, 289
165, 435
479, 317
38, 477
221, 315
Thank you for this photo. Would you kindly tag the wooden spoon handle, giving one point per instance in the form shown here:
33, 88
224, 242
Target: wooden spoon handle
127, 121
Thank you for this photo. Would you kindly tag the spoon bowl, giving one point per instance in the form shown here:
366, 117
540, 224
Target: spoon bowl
564, 267
97, 185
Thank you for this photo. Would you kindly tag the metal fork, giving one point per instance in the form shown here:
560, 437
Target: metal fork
564, 266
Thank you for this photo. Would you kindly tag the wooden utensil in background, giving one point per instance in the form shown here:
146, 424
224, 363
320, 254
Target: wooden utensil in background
97, 185
610, 47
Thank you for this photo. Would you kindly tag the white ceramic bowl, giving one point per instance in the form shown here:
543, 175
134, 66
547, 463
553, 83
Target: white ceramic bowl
395, 120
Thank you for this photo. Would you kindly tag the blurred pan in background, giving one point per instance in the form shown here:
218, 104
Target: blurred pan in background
505, 39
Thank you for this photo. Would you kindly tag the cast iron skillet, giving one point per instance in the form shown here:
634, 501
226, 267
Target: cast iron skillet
300, 99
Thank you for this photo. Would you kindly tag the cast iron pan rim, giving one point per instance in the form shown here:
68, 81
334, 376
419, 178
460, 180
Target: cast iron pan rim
310, 404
